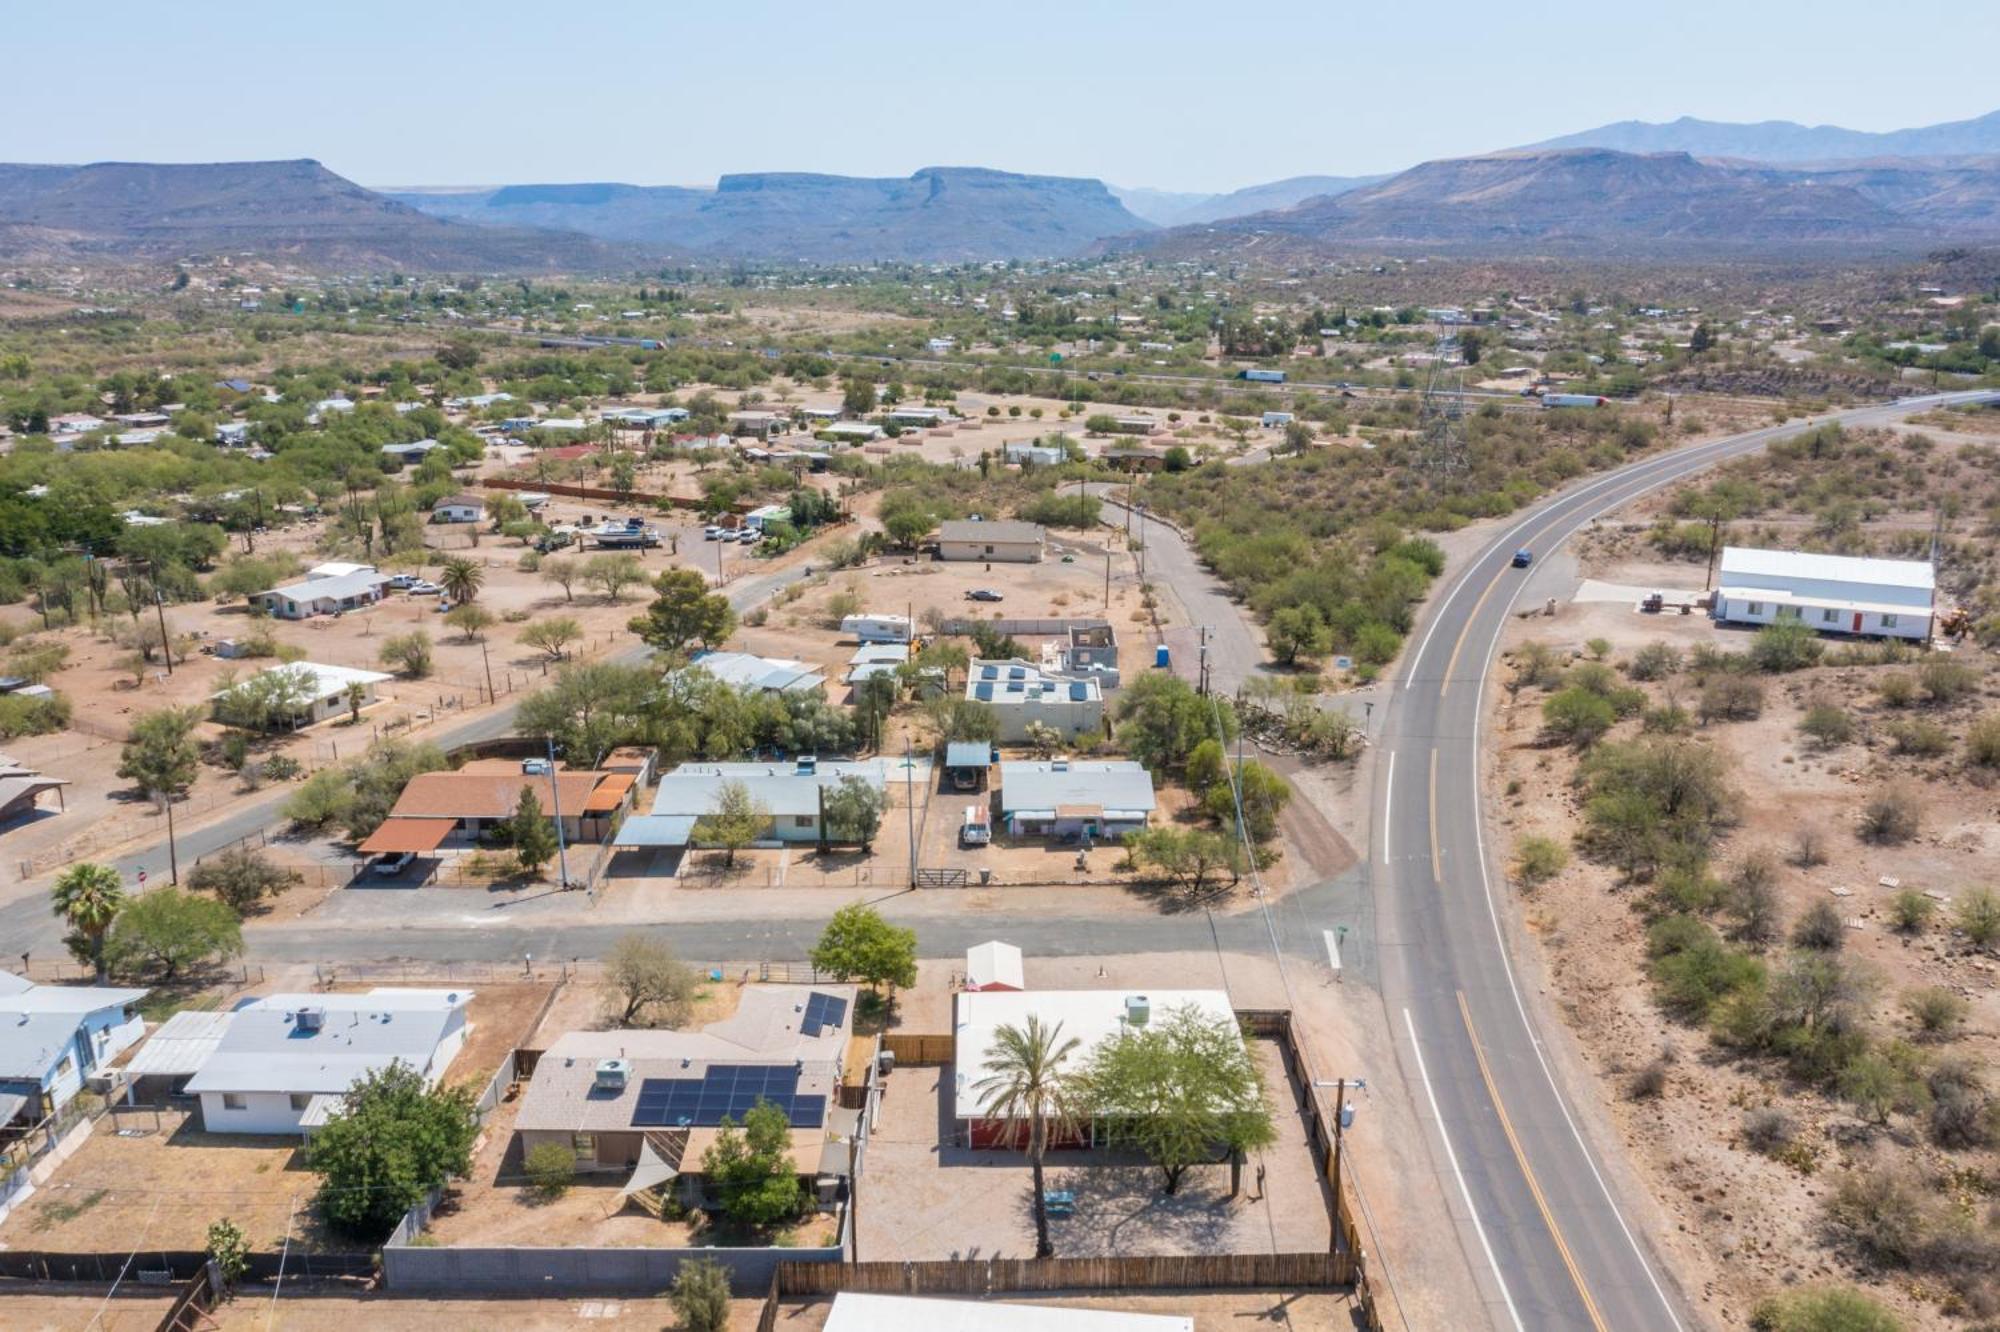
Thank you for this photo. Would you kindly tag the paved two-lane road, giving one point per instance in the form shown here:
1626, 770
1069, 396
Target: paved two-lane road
1540, 1222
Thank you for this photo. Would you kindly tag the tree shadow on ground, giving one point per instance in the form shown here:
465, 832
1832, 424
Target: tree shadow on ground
1122, 1208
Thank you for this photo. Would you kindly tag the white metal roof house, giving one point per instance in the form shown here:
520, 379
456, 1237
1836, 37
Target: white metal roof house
1835, 594
914, 1313
53, 1036
1090, 1016
789, 791
320, 693
770, 675
1099, 799
1020, 693
459, 509
1007, 542
323, 596
287, 1060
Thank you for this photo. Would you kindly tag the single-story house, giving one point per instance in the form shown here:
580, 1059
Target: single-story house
407, 455
52, 1037
851, 432
769, 675
233, 434
1007, 541
322, 596
917, 416
651, 1102
994, 965
1090, 1016
477, 400
1835, 594
21, 788
1135, 459
1134, 425
789, 792
873, 659
646, 418
1033, 452
286, 1061
759, 425
1021, 693
437, 805
819, 413
1097, 799
159, 1069
854, 1312
317, 692
562, 423
459, 509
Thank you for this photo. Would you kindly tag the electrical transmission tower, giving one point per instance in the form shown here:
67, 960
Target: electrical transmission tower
1441, 417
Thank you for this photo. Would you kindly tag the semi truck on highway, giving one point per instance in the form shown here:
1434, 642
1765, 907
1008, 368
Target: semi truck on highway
1574, 400
1262, 376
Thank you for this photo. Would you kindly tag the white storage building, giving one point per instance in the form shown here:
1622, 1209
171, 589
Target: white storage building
1835, 594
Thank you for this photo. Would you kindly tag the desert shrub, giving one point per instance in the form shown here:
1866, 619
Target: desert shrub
1655, 800
1827, 724
1536, 665
1897, 689
1819, 928
551, 1169
1911, 911
1649, 1082
700, 1296
1890, 816
1808, 846
1599, 648
1883, 1212
1539, 859
1767, 1130
1693, 970
1962, 1110
1982, 741
1688, 888
1789, 645
1576, 716
1670, 718
1919, 737
1936, 1010
1753, 898
1945, 681
1655, 661
1978, 916
1829, 1309
1731, 698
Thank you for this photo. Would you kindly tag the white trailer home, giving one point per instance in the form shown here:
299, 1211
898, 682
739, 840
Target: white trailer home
1835, 594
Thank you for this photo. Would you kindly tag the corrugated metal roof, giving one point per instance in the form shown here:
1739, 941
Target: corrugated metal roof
656, 830
1002, 533
1114, 785
396, 837
610, 793
968, 754
1916, 574
910, 1313
265, 1049
180, 1045
491, 795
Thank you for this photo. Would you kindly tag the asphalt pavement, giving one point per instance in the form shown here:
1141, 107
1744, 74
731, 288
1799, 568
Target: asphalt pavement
1539, 1220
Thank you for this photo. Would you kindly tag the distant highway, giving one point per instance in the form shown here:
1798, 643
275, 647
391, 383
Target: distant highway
1538, 1217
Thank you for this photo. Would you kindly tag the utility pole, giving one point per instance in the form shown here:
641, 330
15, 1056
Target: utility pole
173, 852
488, 660
910, 807
555, 803
1714, 545
160, 609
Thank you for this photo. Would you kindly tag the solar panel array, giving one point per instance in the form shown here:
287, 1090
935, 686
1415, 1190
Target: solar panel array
822, 1010
729, 1090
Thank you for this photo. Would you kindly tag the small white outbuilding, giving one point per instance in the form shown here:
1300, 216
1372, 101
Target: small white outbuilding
993, 966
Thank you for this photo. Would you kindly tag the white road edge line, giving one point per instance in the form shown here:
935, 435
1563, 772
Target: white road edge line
1388, 804
1452, 1156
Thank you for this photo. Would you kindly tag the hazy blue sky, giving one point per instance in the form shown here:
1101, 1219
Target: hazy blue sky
1172, 94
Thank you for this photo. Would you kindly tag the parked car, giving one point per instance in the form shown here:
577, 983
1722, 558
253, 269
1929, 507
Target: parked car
976, 830
402, 582
390, 865
984, 594
749, 536
1523, 558
423, 587
712, 533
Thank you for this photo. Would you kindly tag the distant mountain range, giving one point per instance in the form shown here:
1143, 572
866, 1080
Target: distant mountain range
1785, 141
937, 215
296, 211
1629, 188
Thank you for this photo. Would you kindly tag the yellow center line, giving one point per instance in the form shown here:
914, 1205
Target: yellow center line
1444, 685
1534, 1187
1437, 862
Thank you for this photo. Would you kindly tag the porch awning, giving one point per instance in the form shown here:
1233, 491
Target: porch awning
651, 1171
657, 830
415, 836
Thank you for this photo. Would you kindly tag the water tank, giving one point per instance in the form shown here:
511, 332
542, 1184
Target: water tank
1138, 1008
1161, 656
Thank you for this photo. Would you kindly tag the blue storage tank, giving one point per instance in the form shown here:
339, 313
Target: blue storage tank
1160, 656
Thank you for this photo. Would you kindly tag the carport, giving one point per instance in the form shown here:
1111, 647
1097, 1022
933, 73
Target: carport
417, 837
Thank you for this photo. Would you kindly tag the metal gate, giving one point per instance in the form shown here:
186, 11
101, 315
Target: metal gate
942, 878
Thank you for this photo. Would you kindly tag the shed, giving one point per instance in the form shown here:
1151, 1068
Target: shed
993, 966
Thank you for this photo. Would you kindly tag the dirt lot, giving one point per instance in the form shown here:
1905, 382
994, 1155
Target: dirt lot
923, 1198
59, 1309
1750, 1222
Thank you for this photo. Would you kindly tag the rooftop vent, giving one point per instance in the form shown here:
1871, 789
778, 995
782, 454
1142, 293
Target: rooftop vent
310, 1019
612, 1073
808, 764
1059, 764
535, 767
1138, 1010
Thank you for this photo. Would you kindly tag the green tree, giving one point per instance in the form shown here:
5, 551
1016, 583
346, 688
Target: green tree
648, 984
853, 810
471, 621
1578, 717
858, 397
267, 699
1026, 1086
229, 1251
1829, 1309
461, 579
737, 820
241, 878
409, 653
859, 945
88, 898
551, 1169
552, 636
752, 1168
684, 612
612, 572
1180, 1089
1298, 633
594, 707
162, 757
1190, 858
394, 1140
168, 931
1264, 794
700, 1296
1161, 719
532, 833
563, 573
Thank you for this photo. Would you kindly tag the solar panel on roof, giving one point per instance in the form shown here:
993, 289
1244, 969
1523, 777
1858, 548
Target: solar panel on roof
725, 1090
1017, 672
989, 672
1078, 691
983, 692
822, 1011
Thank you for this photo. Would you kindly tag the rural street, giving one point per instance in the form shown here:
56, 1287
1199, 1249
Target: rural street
1539, 1223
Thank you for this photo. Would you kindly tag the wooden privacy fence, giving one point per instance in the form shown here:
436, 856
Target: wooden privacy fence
1002, 1276
146, 1265
915, 1049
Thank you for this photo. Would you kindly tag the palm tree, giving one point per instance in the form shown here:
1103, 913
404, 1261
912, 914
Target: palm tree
461, 579
1027, 1087
88, 898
